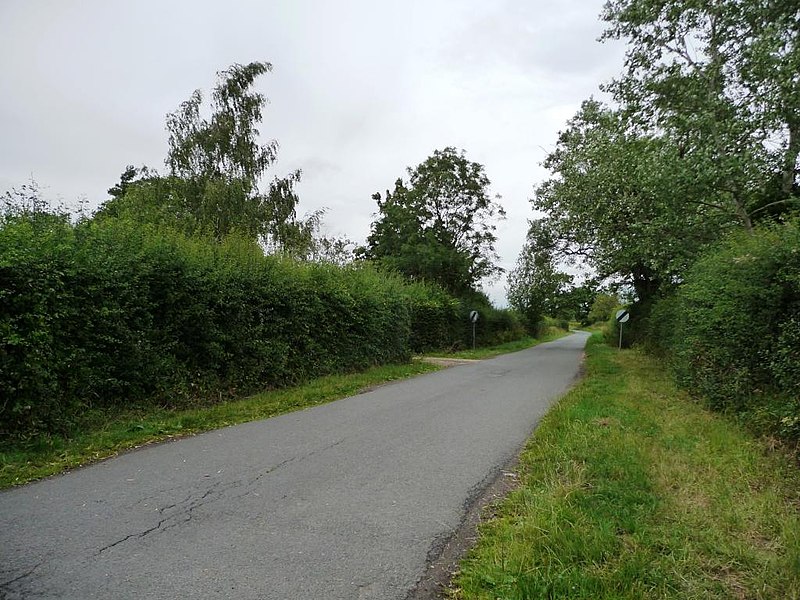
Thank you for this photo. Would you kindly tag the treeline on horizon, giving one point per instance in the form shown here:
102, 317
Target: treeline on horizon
201, 284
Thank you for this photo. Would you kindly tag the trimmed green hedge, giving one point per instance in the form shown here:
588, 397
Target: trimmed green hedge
732, 330
110, 314
435, 318
736, 309
441, 322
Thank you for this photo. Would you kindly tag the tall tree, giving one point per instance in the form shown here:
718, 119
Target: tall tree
440, 225
720, 79
705, 138
227, 144
221, 161
216, 165
617, 198
535, 285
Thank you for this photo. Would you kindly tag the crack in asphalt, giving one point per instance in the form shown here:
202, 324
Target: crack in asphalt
174, 517
154, 496
4, 585
218, 490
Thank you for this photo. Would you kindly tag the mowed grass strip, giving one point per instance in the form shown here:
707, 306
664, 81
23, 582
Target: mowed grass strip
104, 434
552, 333
101, 435
629, 489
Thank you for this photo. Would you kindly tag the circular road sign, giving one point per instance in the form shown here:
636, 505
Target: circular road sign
473, 316
623, 316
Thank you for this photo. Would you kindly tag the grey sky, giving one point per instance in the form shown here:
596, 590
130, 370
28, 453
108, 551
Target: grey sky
360, 90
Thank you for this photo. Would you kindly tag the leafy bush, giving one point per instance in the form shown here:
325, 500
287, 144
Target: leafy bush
109, 313
602, 308
435, 318
494, 326
441, 322
733, 329
661, 324
31, 277
737, 306
784, 359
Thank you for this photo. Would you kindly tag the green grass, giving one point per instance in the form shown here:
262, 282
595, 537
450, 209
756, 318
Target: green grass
595, 327
104, 435
629, 489
100, 435
552, 333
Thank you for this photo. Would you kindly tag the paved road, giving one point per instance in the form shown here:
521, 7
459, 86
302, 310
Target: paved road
345, 500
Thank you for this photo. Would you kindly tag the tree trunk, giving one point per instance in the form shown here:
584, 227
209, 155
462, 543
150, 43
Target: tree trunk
743, 215
644, 283
790, 161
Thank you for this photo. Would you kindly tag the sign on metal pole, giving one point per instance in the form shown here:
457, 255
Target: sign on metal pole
623, 316
473, 316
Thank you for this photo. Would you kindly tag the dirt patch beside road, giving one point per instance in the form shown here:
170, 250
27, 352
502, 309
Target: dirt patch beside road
447, 362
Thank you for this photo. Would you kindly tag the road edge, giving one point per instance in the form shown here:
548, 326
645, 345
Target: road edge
446, 553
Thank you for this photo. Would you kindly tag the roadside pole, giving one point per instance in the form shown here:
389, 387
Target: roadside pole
473, 316
622, 317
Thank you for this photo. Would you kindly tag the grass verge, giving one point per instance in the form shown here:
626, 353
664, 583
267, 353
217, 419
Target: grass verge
629, 489
104, 435
552, 333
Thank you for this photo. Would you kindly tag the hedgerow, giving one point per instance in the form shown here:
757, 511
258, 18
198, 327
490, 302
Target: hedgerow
732, 330
108, 314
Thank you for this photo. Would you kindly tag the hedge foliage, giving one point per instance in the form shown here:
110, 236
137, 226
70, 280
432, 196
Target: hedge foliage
110, 314
732, 330
442, 322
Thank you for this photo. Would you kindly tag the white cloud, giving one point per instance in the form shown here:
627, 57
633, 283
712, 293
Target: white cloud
360, 90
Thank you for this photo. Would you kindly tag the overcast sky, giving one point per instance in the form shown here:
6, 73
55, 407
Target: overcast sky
360, 91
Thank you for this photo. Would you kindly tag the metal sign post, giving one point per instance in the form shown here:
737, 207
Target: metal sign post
623, 316
473, 316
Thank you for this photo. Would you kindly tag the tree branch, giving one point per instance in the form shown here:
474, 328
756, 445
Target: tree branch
786, 201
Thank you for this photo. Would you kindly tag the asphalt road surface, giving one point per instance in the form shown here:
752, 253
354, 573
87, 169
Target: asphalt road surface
344, 500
